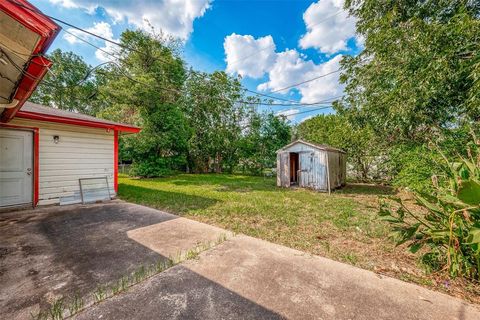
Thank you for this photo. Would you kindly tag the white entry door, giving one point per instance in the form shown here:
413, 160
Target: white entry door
16, 167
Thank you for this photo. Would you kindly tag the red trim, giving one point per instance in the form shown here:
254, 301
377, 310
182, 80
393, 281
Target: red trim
33, 19
36, 70
36, 158
115, 160
78, 122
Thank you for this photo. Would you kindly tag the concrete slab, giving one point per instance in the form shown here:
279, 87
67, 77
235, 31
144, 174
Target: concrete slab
178, 235
55, 251
247, 278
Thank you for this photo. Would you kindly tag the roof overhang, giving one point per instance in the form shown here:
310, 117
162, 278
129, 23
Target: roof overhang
313, 145
25, 35
78, 122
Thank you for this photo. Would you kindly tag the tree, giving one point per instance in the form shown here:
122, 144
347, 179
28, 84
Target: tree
68, 86
214, 117
363, 148
419, 71
144, 86
263, 136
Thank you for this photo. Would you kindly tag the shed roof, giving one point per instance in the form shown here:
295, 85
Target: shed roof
313, 145
43, 113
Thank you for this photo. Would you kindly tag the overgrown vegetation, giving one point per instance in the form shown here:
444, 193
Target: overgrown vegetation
415, 82
343, 226
191, 121
450, 228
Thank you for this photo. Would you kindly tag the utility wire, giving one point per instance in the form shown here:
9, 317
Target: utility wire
273, 45
306, 111
138, 51
306, 81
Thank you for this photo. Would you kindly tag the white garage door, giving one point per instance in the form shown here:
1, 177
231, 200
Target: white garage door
16, 167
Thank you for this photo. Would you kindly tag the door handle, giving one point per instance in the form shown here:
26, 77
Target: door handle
29, 171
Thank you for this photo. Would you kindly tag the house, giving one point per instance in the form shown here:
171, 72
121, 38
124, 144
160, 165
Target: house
311, 165
45, 151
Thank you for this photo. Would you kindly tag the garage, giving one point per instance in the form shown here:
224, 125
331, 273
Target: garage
46, 152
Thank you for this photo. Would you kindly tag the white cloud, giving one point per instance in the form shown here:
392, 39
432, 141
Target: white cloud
291, 68
305, 119
289, 114
254, 58
329, 27
248, 56
102, 29
174, 17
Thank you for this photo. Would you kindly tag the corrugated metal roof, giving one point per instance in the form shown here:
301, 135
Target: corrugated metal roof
312, 144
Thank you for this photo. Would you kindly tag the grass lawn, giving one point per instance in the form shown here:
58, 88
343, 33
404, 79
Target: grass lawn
342, 226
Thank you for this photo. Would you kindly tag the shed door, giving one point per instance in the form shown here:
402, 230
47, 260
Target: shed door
16, 167
283, 169
306, 165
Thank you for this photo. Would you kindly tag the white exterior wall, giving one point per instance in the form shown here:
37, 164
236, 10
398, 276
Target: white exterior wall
81, 153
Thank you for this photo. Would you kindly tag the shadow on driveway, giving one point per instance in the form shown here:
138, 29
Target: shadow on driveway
63, 251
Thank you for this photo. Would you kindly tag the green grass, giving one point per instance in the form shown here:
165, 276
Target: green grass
303, 219
343, 226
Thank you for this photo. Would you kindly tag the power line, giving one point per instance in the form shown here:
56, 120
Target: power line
306, 111
138, 51
321, 21
306, 81
273, 45
293, 101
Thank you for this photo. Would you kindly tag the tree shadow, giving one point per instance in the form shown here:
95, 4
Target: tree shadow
72, 250
175, 202
226, 182
180, 293
366, 189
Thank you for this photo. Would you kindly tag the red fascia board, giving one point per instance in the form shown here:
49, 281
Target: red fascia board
35, 71
77, 122
115, 161
29, 16
33, 19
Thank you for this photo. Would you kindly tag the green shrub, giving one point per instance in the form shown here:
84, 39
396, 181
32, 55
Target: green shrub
155, 167
449, 228
412, 167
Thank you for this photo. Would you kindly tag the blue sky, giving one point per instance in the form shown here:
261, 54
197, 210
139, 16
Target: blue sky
271, 44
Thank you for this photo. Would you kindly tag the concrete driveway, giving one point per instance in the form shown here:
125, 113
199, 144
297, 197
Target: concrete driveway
55, 252
62, 250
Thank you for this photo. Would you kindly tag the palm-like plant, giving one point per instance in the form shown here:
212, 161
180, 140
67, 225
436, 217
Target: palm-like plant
449, 226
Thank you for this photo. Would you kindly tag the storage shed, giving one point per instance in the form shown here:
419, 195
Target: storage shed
45, 152
310, 165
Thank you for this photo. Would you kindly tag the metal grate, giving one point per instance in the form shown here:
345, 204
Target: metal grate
94, 189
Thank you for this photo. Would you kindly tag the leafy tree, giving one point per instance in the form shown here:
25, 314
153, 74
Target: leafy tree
144, 86
263, 136
364, 149
67, 86
214, 119
420, 67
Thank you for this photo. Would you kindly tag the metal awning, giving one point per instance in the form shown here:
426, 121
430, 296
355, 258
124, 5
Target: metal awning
25, 35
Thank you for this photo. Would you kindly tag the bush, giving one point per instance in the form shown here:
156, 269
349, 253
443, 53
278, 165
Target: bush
153, 167
412, 167
450, 227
